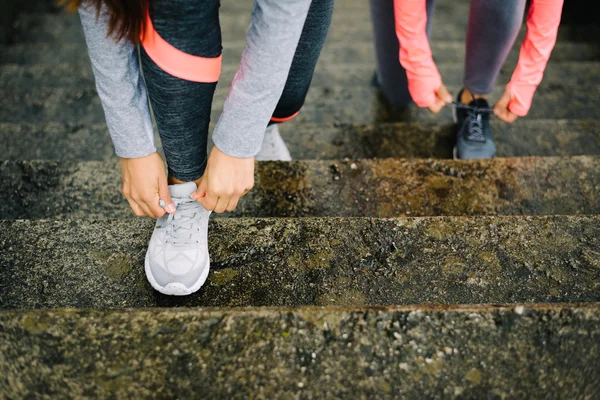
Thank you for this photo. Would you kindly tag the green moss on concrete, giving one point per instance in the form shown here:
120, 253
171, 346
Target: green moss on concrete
382, 188
305, 261
310, 353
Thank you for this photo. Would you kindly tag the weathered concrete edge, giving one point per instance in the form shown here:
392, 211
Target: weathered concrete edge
518, 308
233, 221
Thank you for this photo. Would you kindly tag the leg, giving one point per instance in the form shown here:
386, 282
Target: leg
493, 28
309, 48
182, 107
305, 60
391, 76
186, 41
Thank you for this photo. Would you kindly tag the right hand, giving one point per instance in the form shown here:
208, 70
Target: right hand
145, 184
442, 97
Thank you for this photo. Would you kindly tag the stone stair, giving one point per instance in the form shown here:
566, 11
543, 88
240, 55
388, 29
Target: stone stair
373, 266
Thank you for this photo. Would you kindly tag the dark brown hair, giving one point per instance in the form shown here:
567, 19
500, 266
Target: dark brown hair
125, 17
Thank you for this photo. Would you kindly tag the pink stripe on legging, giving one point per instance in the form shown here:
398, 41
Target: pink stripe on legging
177, 63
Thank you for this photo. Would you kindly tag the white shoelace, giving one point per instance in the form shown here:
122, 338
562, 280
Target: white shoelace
188, 215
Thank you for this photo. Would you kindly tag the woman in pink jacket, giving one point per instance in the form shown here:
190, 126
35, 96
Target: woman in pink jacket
493, 28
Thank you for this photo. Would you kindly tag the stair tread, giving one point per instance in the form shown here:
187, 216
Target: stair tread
15, 77
323, 104
306, 353
334, 53
310, 261
450, 23
378, 188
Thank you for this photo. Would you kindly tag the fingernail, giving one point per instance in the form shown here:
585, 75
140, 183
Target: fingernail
170, 208
194, 196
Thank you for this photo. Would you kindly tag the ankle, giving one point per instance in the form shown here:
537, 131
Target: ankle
467, 96
173, 181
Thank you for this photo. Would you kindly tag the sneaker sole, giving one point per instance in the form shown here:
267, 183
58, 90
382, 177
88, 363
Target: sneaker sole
176, 289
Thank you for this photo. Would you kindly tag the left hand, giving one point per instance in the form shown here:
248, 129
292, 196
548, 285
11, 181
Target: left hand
501, 108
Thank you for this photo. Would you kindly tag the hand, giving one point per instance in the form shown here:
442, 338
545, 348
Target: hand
501, 108
225, 181
145, 184
443, 97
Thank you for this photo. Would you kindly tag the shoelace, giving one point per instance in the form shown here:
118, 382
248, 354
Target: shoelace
182, 222
475, 127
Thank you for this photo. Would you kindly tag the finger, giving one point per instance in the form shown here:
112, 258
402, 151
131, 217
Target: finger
155, 208
444, 95
165, 195
504, 100
221, 205
437, 106
201, 190
137, 210
499, 112
233, 202
510, 118
505, 115
147, 211
209, 201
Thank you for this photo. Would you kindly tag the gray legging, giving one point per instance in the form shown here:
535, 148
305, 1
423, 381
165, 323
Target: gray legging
182, 108
493, 28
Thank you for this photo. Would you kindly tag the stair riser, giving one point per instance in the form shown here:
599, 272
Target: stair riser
323, 105
306, 141
312, 354
334, 53
450, 23
293, 262
16, 78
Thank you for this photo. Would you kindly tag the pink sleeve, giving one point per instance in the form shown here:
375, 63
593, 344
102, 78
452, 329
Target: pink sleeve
424, 80
542, 27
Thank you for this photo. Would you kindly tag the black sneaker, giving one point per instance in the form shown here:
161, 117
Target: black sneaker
474, 137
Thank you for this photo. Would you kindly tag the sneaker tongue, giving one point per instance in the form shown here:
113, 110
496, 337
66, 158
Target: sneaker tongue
183, 190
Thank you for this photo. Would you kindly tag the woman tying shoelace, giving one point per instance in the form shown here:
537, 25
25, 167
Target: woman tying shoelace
401, 28
179, 47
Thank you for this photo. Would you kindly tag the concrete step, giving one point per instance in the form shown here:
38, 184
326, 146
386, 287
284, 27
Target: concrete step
10, 11
307, 141
348, 25
310, 261
360, 104
534, 352
381, 188
16, 77
334, 53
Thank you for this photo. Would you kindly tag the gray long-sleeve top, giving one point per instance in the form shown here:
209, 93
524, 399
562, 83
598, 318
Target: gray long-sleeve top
271, 42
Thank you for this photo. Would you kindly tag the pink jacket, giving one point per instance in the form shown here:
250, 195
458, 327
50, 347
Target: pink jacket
424, 80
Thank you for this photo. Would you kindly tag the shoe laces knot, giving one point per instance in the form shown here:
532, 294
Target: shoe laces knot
474, 121
182, 227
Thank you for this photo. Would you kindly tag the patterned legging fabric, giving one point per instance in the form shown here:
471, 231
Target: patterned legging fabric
182, 108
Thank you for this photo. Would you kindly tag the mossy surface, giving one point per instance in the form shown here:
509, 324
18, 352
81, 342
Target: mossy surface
309, 353
349, 188
311, 261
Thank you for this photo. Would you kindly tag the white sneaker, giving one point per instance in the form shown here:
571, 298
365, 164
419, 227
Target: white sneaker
177, 261
273, 147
